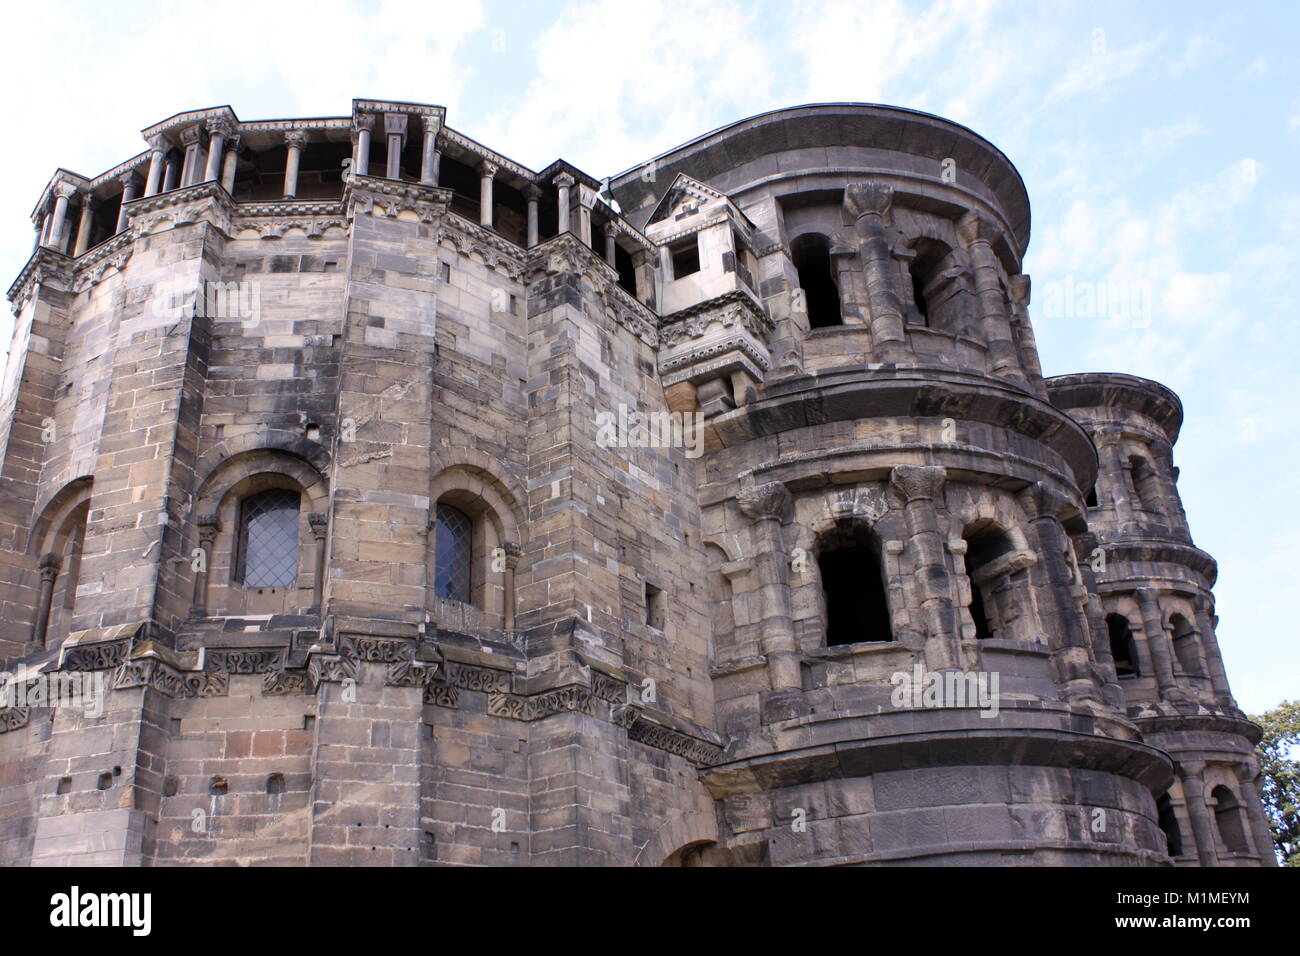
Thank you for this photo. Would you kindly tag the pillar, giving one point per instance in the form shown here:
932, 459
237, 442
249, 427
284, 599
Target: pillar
230, 166
169, 175
85, 224
1158, 644
534, 196
1114, 467
218, 132
191, 139
1028, 345
918, 486
395, 133
430, 158
977, 233
128, 193
767, 505
1192, 775
611, 235
157, 156
868, 204
508, 583
62, 193
1260, 833
849, 279
209, 525
1213, 658
563, 182
586, 199
486, 172
363, 124
643, 264
295, 140
319, 522
49, 567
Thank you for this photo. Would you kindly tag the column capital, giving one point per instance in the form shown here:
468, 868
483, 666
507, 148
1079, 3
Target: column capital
532, 192
612, 228
395, 123
220, 126
364, 121
319, 522
295, 138
64, 190
191, 135
564, 181
766, 501
487, 169
127, 180
157, 143
1041, 501
513, 551
974, 227
49, 565
918, 482
1020, 289
867, 199
1191, 768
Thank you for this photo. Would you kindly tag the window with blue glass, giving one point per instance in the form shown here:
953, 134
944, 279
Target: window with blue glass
453, 554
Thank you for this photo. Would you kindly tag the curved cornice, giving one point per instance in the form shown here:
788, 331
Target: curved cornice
1122, 391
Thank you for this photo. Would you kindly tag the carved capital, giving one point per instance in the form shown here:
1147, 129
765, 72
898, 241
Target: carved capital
918, 482
220, 127
532, 192
364, 121
49, 565
1020, 290
64, 190
487, 170
771, 500
295, 139
612, 229
1041, 501
973, 227
319, 522
868, 199
127, 180
564, 181
158, 143
1191, 769
191, 135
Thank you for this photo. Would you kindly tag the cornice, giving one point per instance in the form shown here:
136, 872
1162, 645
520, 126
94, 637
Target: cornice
449, 135
45, 263
566, 253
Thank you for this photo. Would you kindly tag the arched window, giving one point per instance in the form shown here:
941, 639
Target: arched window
1122, 646
1186, 648
1168, 821
936, 295
986, 543
1146, 485
857, 605
1227, 814
453, 554
811, 254
268, 539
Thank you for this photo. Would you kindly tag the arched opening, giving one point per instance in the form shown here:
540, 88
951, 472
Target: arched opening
1122, 646
811, 255
1168, 822
1186, 646
936, 291
1228, 817
1146, 484
853, 583
989, 609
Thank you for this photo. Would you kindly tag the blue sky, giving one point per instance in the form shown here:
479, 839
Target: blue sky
1158, 143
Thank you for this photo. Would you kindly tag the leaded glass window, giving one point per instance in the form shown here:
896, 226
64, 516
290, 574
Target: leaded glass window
453, 550
268, 539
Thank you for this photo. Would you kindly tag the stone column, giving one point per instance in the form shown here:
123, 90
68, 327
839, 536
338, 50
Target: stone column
169, 175
295, 140
62, 193
586, 200
49, 566
611, 244
486, 172
191, 139
564, 182
1113, 467
1192, 776
643, 264
209, 525
157, 156
395, 133
319, 522
977, 234
219, 131
231, 165
918, 486
1028, 344
533, 195
868, 204
508, 583
1213, 658
1053, 578
1259, 828
849, 279
128, 193
767, 505
85, 224
430, 158
1084, 544
363, 124
1158, 643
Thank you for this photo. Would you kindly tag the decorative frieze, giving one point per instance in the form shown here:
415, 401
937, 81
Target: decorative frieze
728, 333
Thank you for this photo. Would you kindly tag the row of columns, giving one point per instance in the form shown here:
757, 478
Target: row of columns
1160, 648
1204, 828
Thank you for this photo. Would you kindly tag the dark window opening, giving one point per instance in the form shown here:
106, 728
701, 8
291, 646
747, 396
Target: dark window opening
1145, 483
1227, 814
1185, 645
654, 606
1168, 822
1091, 500
985, 543
268, 539
857, 606
982, 629
811, 254
626, 270
1122, 646
453, 554
686, 257
918, 296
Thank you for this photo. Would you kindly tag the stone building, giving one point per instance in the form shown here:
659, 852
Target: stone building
368, 497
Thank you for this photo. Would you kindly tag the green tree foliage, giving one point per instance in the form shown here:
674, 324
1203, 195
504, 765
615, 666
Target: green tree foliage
1278, 751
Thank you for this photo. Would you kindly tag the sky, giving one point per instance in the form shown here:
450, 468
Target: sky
1158, 144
